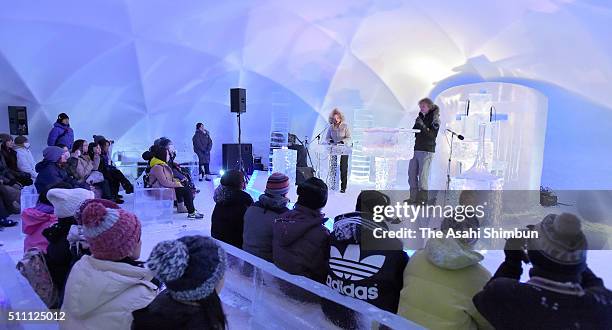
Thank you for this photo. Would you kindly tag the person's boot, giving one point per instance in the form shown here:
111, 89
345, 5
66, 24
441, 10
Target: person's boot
181, 208
195, 215
207, 178
129, 187
7, 223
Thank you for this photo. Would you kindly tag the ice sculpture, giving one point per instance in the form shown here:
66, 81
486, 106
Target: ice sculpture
285, 161
388, 145
513, 147
360, 161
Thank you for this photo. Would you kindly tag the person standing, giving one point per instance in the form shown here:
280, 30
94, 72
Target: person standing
339, 133
202, 144
61, 133
428, 122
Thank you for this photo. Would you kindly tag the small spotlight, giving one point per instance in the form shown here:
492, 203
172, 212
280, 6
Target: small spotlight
221, 172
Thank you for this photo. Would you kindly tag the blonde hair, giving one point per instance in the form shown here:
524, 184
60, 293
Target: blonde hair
334, 112
427, 101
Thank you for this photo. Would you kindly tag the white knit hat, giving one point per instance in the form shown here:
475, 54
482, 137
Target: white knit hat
67, 201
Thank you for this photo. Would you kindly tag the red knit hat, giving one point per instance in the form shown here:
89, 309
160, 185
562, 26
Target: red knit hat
278, 184
112, 234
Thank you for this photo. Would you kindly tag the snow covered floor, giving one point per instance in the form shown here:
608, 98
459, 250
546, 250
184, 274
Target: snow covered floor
179, 225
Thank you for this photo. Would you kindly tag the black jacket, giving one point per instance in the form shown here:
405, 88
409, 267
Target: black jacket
165, 313
362, 267
509, 304
429, 125
227, 223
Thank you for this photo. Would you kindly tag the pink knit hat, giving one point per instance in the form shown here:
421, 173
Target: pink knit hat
112, 234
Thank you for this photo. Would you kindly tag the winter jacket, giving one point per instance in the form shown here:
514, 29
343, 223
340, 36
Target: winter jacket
81, 167
544, 303
25, 161
258, 221
357, 270
50, 173
165, 313
161, 176
439, 283
33, 221
59, 258
102, 294
6, 175
300, 243
10, 158
429, 125
202, 144
227, 223
61, 134
342, 133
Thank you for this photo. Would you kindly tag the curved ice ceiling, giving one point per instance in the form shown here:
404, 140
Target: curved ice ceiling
135, 70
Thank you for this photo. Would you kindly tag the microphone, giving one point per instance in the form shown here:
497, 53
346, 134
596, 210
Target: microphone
459, 136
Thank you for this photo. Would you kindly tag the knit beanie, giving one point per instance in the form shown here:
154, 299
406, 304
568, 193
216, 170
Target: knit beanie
278, 184
312, 193
53, 153
233, 179
21, 140
191, 266
62, 116
112, 234
368, 199
66, 202
105, 202
561, 245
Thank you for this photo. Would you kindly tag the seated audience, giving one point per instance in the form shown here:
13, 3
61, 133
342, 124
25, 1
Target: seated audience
25, 160
562, 292
231, 202
36, 219
78, 167
105, 288
5, 213
161, 177
59, 258
183, 175
51, 170
9, 155
192, 268
259, 217
112, 174
441, 279
300, 241
360, 261
95, 177
61, 135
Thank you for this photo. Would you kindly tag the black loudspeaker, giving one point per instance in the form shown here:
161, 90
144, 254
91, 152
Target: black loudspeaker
303, 173
238, 100
18, 120
230, 157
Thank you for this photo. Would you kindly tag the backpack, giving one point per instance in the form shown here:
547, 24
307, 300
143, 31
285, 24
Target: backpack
33, 267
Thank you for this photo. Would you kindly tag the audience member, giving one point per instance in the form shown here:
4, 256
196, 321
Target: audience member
51, 170
441, 279
362, 266
105, 288
192, 268
61, 135
300, 241
77, 167
65, 202
231, 202
161, 177
9, 155
202, 144
25, 160
259, 217
36, 219
96, 178
562, 292
112, 174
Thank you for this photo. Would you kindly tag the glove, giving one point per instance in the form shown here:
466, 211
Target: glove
420, 123
331, 141
515, 250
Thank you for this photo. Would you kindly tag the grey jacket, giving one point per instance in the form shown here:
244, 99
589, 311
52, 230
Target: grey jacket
202, 144
258, 219
338, 134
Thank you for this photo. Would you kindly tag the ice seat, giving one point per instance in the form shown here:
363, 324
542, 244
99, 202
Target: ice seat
29, 197
257, 295
17, 295
153, 205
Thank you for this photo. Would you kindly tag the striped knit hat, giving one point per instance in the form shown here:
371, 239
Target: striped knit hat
113, 234
191, 266
278, 184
